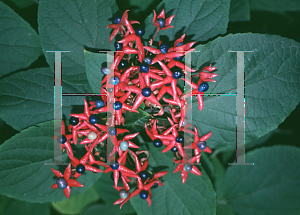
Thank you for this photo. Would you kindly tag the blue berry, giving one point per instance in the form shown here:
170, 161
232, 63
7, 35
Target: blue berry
80, 168
177, 74
180, 44
155, 185
114, 166
117, 105
146, 92
93, 119
117, 20
124, 145
168, 84
123, 64
74, 121
143, 175
161, 22
105, 70
114, 80
179, 139
164, 48
157, 143
123, 194
187, 167
144, 194
99, 103
144, 68
62, 183
201, 145
174, 149
147, 60
112, 131
112, 175
62, 139
178, 58
203, 87
140, 32
118, 46
110, 90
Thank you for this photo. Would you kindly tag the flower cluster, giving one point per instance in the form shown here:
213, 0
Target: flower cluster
142, 74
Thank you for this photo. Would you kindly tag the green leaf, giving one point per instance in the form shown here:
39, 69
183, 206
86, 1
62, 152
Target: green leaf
196, 196
20, 44
10, 206
24, 3
77, 203
104, 209
275, 6
239, 11
73, 25
272, 86
132, 117
224, 210
200, 20
27, 98
23, 173
270, 186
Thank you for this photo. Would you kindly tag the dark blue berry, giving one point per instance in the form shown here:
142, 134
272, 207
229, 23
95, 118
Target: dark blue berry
178, 58
62, 183
164, 48
140, 32
179, 44
143, 175
118, 46
62, 139
161, 22
146, 92
93, 119
144, 68
203, 87
144, 194
117, 20
117, 105
74, 121
110, 89
112, 131
123, 64
114, 80
179, 139
147, 60
105, 70
155, 185
201, 145
112, 175
80, 168
188, 167
168, 84
174, 149
157, 143
177, 74
114, 166
99, 103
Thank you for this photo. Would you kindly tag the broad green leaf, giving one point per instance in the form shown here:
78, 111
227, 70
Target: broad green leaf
239, 11
73, 25
19, 43
270, 186
10, 206
27, 98
24, 3
23, 173
103, 209
77, 203
224, 210
195, 196
272, 86
275, 6
200, 20
132, 117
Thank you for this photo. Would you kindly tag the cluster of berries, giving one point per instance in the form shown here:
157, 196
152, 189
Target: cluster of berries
133, 85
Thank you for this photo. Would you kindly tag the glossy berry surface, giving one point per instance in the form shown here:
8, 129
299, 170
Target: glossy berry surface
155, 185
123, 64
117, 105
144, 194
178, 58
110, 89
157, 143
147, 60
146, 92
161, 22
117, 20
124, 145
74, 121
177, 74
179, 139
143, 175
80, 168
62, 139
140, 32
114, 80
112, 131
164, 48
112, 176
203, 87
118, 46
187, 167
105, 70
92, 135
114, 166
99, 103
174, 149
144, 68
62, 183
93, 119
201, 145
123, 194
